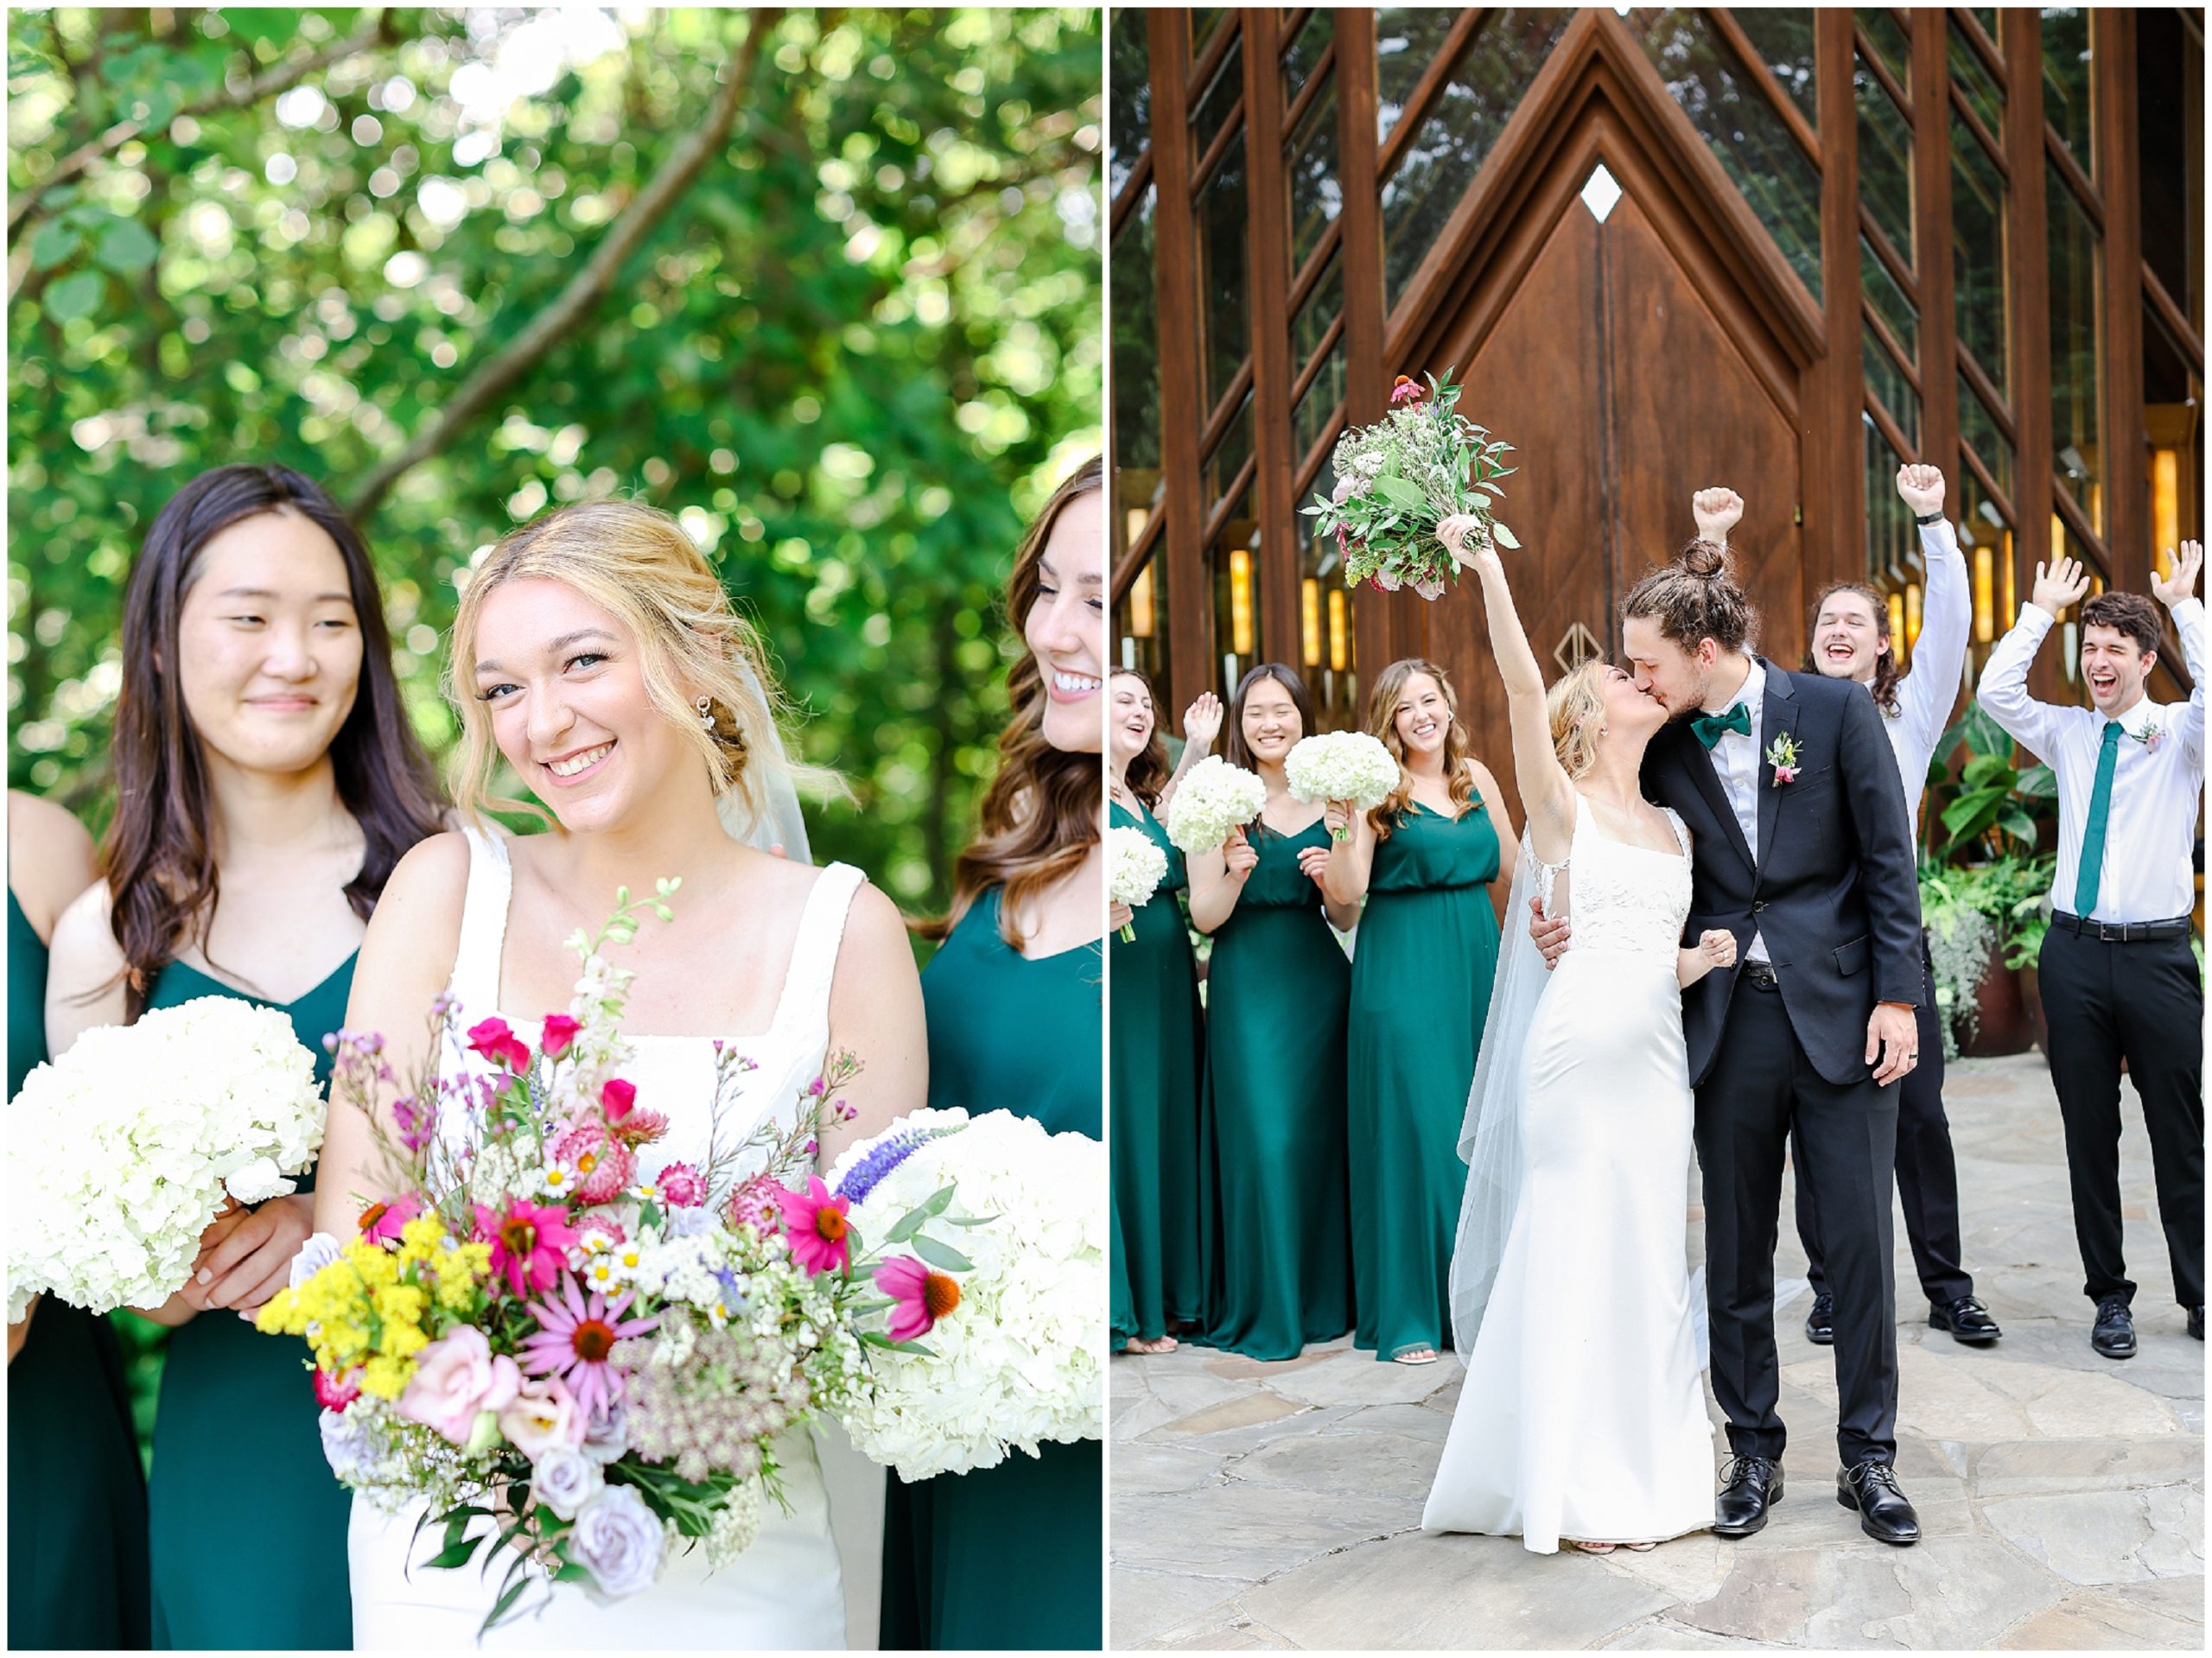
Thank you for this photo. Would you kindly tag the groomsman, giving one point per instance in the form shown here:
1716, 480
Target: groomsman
2118, 978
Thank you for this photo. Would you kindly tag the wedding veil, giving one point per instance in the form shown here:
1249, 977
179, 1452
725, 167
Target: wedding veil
781, 823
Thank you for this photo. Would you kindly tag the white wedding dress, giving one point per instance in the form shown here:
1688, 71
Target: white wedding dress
1582, 1414
811, 1580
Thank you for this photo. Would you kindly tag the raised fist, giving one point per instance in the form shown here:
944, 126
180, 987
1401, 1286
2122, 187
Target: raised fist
1922, 488
1717, 510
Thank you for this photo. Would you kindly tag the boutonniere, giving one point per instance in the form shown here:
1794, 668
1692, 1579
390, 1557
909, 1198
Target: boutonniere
1782, 755
2150, 736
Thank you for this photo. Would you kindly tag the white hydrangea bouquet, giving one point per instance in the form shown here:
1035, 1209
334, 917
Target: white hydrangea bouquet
1399, 479
121, 1151
1348, 766
1135, 867
1213, 798
1020, 1334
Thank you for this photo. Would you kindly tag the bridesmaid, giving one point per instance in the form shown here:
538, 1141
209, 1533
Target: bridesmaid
1153, 1040
266, 784
76, 1498
1424, 861
1272, 1191
1009, 1557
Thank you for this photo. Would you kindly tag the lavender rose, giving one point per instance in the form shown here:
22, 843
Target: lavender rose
565, 1479
618, 1540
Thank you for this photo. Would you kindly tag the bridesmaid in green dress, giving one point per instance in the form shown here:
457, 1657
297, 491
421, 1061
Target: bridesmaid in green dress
1272, 1191
76, 1498
1010, 1557
266, 788
1153, 1039
1424, 861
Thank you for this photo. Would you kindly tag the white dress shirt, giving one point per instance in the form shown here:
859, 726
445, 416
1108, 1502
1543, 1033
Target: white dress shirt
1926, 694
1736, 763
2156, 778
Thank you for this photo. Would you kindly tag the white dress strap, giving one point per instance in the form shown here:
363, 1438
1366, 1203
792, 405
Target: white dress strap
802, 1011
475, 981
1682, 829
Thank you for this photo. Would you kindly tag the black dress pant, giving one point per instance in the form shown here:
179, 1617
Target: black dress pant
2142, 1001
1760, 1087
1928, 1171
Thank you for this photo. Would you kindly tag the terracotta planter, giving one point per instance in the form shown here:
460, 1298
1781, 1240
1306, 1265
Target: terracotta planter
2004, 1024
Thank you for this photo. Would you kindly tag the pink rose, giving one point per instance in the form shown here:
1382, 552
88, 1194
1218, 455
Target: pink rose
541, 1415
456, 1377
560, 1031
1785, 774
499, 1044
617, 1097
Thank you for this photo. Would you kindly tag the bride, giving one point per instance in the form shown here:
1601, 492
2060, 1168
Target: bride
1582, 1416
596, 653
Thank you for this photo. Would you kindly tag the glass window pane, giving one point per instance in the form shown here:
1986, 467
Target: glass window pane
1298, 59
1136, 349
1884, 162
1783, 37
1212, 109
2067, 98
1316, 194
1986, 16
1129, 95
2063, 539
1318, 313
1889, 42
1407, 41
1979, 86
2170, 100
1741, 127
1987, 540
1979, 262
1486, 86
1233, 565
1984, 437
1888, 301
1229, 455
1886, 383
1203, 21
1893, 556
1319, 406
2077, 347
1325, 619
1140, 621
2173, 429
1223, 320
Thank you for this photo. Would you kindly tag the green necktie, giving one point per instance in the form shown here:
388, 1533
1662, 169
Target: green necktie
1709, 727
2093, 832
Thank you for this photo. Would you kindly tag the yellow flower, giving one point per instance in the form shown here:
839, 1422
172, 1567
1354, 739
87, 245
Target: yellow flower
387, 1378
419, 1238
401, 1304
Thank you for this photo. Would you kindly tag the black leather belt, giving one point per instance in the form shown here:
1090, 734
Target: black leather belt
2122, 933
1760, 976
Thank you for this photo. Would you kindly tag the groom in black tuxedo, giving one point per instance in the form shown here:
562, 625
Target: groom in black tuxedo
1804, 851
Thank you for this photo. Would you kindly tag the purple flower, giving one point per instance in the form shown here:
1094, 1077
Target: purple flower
866, 1175
619, 1540
565, 1479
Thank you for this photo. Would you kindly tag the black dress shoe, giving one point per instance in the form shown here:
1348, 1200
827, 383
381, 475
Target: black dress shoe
2196, 1322
1820, 1323
2113, 1334
1965, 1318
1749, 1487
1870, 1487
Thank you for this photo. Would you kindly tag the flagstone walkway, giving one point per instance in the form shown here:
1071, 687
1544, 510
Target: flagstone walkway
2062, 1494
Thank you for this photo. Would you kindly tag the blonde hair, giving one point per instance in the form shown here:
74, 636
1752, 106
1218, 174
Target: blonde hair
1576, 706
635, 561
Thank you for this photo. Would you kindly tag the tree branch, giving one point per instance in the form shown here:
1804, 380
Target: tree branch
265, 84
588, 286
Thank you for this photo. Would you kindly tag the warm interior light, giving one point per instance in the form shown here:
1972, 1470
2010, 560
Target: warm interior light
2011, 601
1897, 626
1136, 517
1141, 620
1309, 621
1984, 570
1240, 600
1911, 614
2165, 506
1338, 634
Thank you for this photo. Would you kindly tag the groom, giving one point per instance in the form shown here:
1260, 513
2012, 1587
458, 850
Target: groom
1804, 851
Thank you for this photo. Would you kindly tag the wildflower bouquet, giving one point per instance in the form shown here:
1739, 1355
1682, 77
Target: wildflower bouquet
1213, 798
124, 1150
531, 1331
1019, 1363
1136, 867
1348, 766
1399, 479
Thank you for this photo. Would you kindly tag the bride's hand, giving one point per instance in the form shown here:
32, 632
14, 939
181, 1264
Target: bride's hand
1717, 946
1550, 936
1468, 542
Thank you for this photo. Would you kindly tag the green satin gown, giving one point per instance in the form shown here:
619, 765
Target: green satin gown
1005, 1557
1153, 1044
248, 1523
1272, 1188
76, 1499
1420, 979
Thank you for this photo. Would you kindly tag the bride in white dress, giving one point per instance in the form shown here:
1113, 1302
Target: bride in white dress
1582, 1416
596, 653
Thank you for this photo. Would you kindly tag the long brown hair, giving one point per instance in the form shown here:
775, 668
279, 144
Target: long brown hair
1885, 665
161, 879
1147, 773
1040, 817
1382, 721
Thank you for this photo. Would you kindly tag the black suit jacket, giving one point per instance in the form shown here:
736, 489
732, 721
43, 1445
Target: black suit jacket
1836, 890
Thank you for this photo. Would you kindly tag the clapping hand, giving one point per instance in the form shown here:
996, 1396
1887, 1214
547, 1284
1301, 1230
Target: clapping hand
2060, 585
1202, 721
1717, 510
1922, 488
2180, 581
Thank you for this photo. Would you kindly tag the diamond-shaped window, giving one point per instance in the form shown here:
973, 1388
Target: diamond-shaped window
1602, 194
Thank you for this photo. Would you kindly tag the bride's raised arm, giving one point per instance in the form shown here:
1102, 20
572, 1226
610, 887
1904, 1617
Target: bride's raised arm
1547, 795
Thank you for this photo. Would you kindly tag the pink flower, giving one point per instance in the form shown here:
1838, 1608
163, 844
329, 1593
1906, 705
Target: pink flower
1407, 389
919, 1296
640, 1127
681, 1186
1429, 589
543, 1414
335, 1393
604, 1166
456, 1377
530, 1243
380, 1223
560, 1031
499, 1044
573, 1341
1784, 774
814, 1221
756, 1202
1387, 580
617, 1097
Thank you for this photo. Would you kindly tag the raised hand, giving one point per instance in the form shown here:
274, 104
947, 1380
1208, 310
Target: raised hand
1717, 510
2062, 584
1237, 854
1202, 721
1922, 488
2180, 581
1468, 542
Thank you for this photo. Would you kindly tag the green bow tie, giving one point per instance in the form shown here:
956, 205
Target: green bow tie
1709, 727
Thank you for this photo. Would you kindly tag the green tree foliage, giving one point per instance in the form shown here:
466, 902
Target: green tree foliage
853, 353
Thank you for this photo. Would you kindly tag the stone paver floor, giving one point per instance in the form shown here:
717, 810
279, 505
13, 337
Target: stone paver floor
2061, 1494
